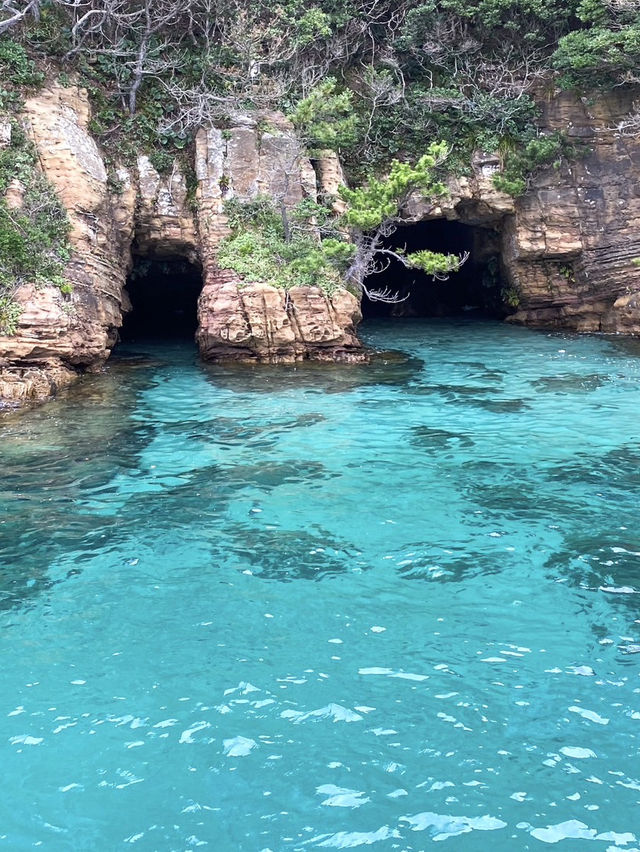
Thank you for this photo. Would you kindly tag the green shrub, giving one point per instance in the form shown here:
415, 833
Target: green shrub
522, 163
18, 73
258, 250
34, 244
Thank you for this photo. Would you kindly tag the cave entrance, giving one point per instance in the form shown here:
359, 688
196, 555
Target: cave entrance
475, 289
164, 300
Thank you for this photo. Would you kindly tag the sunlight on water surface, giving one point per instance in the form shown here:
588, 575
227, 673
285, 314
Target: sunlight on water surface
327, 607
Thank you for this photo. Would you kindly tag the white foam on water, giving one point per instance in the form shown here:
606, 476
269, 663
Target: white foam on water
577, 752
589, 714
239, 746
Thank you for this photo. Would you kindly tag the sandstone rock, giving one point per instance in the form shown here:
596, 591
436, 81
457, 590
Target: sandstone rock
19, 385
57, 331
330, 179
570, 246
164, 223
259, 323
567, 247
252, 321
14, 195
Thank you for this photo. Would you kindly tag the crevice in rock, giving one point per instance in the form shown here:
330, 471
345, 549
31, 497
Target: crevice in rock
163, 293
477, 288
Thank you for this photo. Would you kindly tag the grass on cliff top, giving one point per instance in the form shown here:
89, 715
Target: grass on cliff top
258, 248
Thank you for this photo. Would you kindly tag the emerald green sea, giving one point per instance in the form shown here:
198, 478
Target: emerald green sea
327, 607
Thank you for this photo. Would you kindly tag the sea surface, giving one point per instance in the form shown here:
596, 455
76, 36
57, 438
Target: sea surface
327, 607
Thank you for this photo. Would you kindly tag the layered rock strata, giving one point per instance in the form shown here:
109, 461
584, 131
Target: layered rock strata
571, 245
249, 321
568, 247
140, 213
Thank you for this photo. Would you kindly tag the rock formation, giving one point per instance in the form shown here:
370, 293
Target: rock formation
242, 320
59, 335
567, 247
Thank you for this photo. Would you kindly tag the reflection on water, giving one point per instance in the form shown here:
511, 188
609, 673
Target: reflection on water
327, 606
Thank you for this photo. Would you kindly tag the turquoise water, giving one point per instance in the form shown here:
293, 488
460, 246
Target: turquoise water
327, 607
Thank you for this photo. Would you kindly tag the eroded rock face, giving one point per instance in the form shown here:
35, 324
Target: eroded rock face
251, 321
568, 246
57, 332
59, 336
259, 323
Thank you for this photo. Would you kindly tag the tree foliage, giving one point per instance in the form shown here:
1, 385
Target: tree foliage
373, 79
318, 247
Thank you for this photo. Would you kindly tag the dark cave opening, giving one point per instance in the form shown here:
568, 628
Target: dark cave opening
476, 288
164, 300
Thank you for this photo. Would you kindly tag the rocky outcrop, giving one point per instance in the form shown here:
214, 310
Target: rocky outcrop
58, 334
244, 320
258, 323
567, 248
140, 212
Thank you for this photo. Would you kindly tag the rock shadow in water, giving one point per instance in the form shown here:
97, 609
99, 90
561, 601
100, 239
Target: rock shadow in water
385, 368
570, 383
434, 440
287, 555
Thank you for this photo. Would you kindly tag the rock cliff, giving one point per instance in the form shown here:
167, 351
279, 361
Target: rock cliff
567, 247
248, 321
150, 215
570, 247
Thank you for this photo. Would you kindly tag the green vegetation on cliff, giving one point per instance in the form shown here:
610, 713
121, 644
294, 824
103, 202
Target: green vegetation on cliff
33, 230
313, 245
397, 72
375, 80
33, 223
